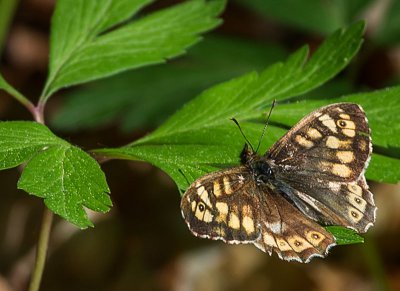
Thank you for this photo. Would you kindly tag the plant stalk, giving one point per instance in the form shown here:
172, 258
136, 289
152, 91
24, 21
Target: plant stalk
41, 250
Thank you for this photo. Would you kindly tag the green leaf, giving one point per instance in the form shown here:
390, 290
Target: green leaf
144, 98
319, 16
384, 169
20, 140
344, 236
83, 48
66, 177
194, 140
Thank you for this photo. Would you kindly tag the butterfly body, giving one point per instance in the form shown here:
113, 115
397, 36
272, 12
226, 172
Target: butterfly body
313, 176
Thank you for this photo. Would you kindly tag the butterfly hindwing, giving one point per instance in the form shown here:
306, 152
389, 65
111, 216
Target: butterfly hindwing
287, 232
348, 204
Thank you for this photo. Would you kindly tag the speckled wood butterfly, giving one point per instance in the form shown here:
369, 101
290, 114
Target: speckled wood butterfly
313, 176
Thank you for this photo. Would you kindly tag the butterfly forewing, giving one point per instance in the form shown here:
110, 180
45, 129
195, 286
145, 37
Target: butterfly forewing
313, 176
321, 163
222, 206
332, 143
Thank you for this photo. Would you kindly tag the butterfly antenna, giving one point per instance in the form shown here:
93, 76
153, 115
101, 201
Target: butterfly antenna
241, 131
265, 126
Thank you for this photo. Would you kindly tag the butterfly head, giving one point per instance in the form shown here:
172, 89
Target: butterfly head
260, 168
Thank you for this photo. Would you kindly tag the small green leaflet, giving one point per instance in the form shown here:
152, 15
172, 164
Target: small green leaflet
344, 236
65, 176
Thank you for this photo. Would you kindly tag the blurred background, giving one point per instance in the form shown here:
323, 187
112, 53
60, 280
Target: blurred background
143, 243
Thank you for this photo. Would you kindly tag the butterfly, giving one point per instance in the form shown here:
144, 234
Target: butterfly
312, 177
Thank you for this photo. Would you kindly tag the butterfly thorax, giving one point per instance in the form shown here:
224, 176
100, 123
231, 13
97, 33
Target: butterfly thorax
258, 166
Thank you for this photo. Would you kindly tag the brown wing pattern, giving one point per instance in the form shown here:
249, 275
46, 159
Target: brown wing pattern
222, 205
332, 143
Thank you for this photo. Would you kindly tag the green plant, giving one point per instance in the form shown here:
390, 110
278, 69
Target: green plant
92, 41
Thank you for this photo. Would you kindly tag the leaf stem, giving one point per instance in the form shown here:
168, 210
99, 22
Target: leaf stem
41, 250
4, 85
38, 112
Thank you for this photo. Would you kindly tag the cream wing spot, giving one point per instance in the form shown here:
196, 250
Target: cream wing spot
355, 215
314, 237
217, 189
206, 198
354, 188
269, 240
324, 117
222, 207
349, 132
283, 245
200, 190
332, 142
313, 133
298, 243
193, 206
304, 142
357, 201
223, 210
248, 224
341, 170
344, 116
345, 156
227, 185
234, 221
200, 209
328, 122
346, 124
